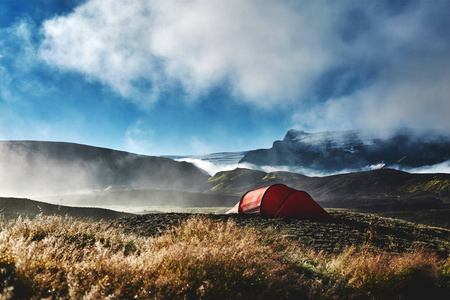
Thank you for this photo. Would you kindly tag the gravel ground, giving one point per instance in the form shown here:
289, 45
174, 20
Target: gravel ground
330, 235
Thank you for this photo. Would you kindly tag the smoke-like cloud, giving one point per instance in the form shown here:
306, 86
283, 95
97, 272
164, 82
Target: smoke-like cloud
212, 167
338, 64
443, 167
406, 54
29, 174
266, 51
137, 137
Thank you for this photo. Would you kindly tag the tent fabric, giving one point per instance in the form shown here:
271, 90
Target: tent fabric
279, 200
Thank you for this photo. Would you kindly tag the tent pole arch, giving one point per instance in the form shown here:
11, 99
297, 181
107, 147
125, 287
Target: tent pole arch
262, 200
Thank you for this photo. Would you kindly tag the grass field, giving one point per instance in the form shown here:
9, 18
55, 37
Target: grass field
188, 256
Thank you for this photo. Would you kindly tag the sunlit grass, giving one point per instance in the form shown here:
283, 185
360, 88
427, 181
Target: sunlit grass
64, 258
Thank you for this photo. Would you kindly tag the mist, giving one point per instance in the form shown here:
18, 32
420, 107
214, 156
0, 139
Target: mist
213, 168
79, 175
337, 152
437, 168
25, 173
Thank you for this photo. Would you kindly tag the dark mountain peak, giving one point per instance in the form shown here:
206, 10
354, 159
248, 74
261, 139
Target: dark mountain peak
294, 134
355, 150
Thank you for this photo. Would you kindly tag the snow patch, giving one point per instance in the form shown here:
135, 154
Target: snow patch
375, 167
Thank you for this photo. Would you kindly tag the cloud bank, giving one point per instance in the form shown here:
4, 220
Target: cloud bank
212, 167
335, 64
265, 51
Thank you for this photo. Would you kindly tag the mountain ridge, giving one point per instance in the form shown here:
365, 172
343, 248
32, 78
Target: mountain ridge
14, 207
114, 177
353, 150
384, 189
57, 167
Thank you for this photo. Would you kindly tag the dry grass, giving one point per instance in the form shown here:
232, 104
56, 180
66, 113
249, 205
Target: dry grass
382, 274
56, 257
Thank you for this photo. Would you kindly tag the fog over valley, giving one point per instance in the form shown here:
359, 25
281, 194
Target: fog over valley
328, 153
80, 175
42, 169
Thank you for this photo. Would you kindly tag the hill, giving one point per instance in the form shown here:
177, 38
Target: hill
145, 198
45, 168
72, 174
332, 152
14, 207
378, 190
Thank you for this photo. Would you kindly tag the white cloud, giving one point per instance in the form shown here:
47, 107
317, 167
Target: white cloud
443, 167
411, 61
212, 168
106, 40
411, 94
138, 138
267, 51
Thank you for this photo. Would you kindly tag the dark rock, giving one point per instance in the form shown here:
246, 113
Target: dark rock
353, 150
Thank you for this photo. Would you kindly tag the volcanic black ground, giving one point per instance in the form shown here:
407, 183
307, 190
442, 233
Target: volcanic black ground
330, 235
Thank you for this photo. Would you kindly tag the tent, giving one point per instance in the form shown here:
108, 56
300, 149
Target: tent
279, 200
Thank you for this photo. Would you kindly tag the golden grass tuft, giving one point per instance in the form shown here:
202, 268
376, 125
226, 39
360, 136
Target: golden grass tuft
65, 258
384, 273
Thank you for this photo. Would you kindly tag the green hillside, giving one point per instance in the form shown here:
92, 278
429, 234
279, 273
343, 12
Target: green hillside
371, 191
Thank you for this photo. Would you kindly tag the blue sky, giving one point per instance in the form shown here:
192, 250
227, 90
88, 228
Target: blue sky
201, 76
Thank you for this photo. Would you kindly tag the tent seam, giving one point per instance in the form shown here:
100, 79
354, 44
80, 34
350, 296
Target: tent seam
284, 200
264, 195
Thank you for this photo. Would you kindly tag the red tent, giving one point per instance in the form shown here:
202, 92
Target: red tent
279, 200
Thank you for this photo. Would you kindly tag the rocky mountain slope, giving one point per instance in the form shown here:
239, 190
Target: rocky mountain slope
331, 152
